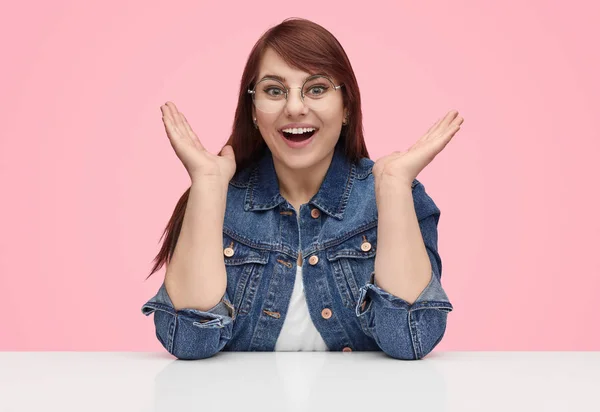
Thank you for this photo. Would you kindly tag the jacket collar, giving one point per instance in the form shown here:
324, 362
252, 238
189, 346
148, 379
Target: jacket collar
263, 188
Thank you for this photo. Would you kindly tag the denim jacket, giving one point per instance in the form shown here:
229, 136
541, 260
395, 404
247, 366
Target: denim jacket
335, 235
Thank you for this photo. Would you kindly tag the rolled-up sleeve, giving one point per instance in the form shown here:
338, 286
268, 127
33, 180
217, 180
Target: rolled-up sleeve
404, 330
190, 333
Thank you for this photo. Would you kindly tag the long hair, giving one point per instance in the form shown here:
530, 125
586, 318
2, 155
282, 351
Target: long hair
306, 46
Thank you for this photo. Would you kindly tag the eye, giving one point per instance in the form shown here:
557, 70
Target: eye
274, 91
317, 90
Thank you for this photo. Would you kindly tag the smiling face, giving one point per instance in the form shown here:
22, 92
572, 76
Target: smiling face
327, 120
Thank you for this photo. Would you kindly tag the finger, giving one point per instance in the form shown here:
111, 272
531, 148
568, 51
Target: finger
168, 109
183, 131
439, 127
172, 107
191, 133
181, 124
449, 134
172, 132
458, 121
451, 129
175, 115
442, 128
448, 118
172, 128
435, 125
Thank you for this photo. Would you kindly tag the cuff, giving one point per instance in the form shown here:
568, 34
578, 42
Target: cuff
432, 297
216, 317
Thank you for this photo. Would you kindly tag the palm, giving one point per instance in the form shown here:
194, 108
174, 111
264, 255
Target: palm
199, 162
406, 165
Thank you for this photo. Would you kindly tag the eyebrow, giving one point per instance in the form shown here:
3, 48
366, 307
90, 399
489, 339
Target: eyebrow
282, 79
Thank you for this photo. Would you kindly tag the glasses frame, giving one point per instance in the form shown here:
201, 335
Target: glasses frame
287, 89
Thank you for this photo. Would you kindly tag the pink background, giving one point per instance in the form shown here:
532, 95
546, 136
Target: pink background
89, 179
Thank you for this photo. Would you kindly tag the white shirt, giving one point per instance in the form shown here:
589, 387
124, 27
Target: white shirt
298, 332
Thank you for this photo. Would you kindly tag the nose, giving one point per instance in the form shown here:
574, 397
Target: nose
294, 104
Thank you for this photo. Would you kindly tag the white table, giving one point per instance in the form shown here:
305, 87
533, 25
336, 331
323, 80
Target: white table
299, 381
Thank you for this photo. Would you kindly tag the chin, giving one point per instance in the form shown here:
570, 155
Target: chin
299, 162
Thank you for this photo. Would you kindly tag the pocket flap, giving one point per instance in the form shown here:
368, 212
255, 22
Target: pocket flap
360, 246
238, 253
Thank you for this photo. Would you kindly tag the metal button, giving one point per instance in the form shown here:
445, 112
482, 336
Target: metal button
315, 213
313, 259
326, 313
228, 252
347, 349
365, 246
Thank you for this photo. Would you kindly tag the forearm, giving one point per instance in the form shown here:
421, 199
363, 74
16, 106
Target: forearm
196, 276
402, 265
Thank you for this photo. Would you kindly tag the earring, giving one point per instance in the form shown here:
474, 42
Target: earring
345, 121
255, 124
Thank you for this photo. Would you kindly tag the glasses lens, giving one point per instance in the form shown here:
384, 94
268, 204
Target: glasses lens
318, 93
269, 96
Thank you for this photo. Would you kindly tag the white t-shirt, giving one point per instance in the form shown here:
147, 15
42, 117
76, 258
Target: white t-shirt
298, 332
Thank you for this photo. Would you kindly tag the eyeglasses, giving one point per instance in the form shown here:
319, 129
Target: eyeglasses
270, 95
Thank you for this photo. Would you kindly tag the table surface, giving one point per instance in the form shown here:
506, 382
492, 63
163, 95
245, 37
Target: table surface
299, 381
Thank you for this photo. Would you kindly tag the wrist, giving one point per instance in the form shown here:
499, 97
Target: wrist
391, 185
212, 182
210, 190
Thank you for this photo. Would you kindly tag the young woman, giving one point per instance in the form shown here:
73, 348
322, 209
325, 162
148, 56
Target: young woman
273, 246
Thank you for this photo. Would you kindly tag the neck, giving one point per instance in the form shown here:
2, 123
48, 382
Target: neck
298, 186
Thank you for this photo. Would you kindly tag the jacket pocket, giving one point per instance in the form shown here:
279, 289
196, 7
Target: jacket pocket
352, 262
244, 265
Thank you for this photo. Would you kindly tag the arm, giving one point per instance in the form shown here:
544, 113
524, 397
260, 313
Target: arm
407, 303
192, 311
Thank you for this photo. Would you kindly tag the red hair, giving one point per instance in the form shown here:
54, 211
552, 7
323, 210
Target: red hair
303, 45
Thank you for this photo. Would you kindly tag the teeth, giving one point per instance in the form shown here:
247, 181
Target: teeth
299, 130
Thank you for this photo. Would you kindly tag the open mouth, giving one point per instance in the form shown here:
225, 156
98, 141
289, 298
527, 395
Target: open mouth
298, 137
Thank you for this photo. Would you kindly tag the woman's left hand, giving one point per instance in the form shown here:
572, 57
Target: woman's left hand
403, 167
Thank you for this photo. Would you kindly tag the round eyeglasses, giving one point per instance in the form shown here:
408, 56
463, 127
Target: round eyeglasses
270, 95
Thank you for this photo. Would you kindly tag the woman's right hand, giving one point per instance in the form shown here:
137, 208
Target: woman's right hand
199, 163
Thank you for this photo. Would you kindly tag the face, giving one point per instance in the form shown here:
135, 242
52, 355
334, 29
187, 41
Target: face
327, 120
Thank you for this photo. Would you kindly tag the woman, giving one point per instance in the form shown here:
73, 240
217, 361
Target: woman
273, 245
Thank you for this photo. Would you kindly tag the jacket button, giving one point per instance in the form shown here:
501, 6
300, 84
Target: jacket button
315, 213
228, 252
365, 246
313, 259
347, 349
326, 313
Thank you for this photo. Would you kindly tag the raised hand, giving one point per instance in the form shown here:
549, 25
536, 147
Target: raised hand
199, 163
404, 166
